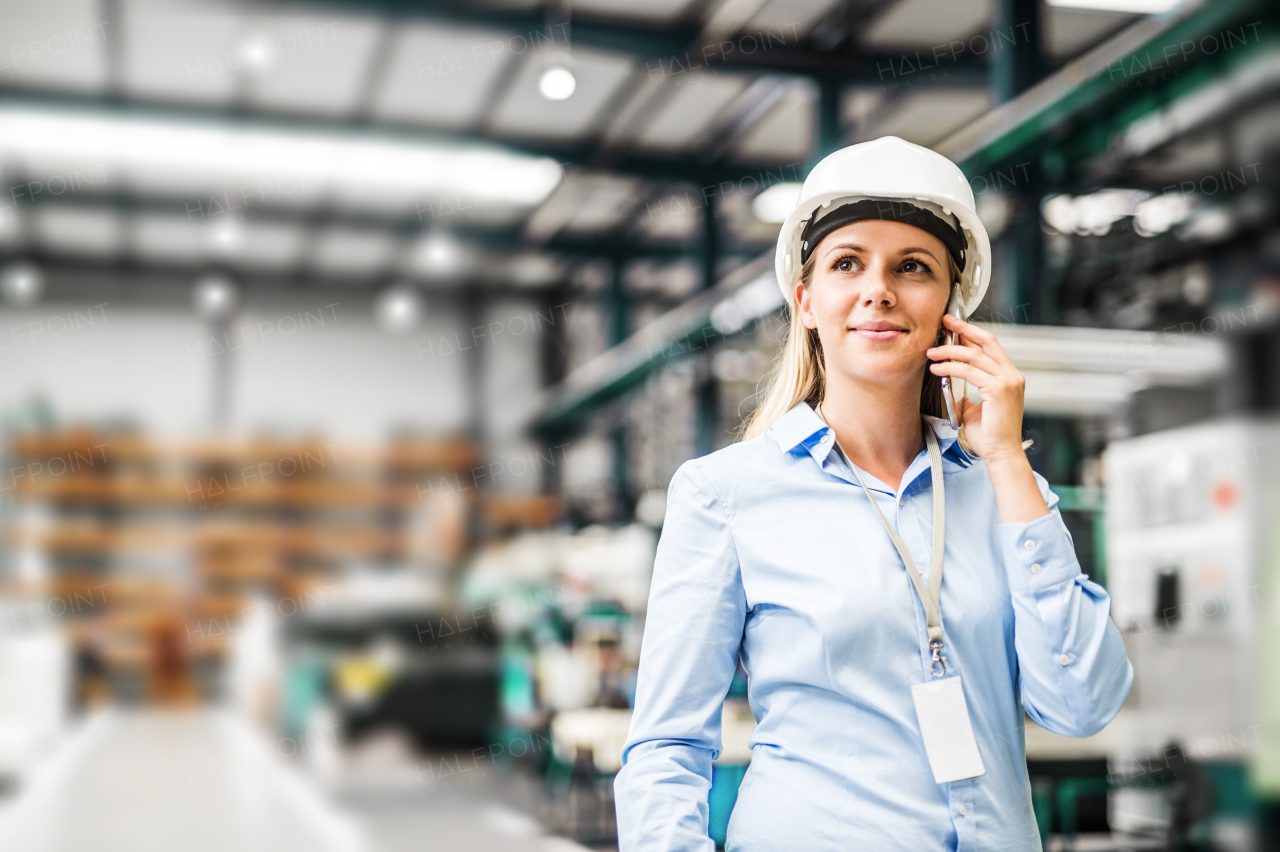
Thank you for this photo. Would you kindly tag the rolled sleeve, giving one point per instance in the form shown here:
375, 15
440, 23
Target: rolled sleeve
692, 635
1073, 671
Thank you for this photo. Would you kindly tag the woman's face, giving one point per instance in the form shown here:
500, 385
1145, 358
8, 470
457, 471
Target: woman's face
877, 296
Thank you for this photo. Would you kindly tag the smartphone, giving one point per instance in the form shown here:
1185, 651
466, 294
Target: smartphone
949, 338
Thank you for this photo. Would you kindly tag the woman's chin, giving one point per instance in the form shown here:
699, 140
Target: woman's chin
880, 367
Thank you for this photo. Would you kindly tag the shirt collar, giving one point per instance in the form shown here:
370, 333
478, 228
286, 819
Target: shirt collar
801, 426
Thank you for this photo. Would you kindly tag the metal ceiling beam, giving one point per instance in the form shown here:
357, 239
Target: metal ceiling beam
505, 238
754, 104
664, 46
1080, 89
1244, 77
671, 337
116, 279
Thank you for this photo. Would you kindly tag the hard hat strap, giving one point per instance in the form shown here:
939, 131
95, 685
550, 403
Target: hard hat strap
894, 210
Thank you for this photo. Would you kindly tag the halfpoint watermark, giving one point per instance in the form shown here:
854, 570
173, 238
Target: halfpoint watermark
238, 343
261, 50
459, 348
715, 52
459, 770
235, 487
72, 603
58, 44
1144, 68
473, 484
683, 202
233, 622
24, 476
462, 65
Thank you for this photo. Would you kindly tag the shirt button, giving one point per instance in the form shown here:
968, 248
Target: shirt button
1030, 545
1065, 659
901, 500
1036, 568
826, 439
961, 810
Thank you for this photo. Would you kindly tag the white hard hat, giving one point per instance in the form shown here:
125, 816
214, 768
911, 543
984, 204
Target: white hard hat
906, 179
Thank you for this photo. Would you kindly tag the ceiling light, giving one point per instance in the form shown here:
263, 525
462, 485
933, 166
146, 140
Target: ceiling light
530, 269
557, 83
1138, 7
21, 284
226, 237
775, 204
1160, 213
437, 254
399, 309
1060, 214
271, 165
995, 210
215, 297
1091, 214
1210, 224
1197, 285
752, 300
1100, 210
257, 53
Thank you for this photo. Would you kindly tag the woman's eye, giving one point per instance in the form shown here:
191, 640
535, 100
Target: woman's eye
914, 266
844, 264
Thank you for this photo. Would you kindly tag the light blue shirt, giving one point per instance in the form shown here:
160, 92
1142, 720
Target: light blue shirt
771, 552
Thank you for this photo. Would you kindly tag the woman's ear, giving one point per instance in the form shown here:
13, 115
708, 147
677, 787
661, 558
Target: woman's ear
804, 306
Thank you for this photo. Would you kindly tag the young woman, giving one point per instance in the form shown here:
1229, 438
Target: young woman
888, 692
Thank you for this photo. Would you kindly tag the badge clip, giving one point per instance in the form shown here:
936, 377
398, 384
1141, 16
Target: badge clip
939, 664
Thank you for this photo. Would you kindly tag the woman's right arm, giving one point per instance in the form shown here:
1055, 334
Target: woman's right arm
692, 634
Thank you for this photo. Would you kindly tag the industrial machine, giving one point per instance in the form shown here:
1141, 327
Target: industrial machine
1191, 539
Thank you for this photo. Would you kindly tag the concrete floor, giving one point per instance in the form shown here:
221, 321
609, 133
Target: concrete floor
204, 781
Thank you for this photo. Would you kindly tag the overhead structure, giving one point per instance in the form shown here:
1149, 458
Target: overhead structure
1116, 66
668, 99
1051, 120
470, 148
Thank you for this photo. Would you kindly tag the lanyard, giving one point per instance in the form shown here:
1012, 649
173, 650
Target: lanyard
930, 597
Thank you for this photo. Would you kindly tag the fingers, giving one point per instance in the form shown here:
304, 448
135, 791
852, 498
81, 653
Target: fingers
960, 370
968, 354
984, 381
979, 378
983, 339
966, 328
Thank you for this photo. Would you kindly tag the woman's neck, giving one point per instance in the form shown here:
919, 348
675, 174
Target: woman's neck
878, 426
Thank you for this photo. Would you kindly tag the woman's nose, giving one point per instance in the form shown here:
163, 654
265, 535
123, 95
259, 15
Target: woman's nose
877, 291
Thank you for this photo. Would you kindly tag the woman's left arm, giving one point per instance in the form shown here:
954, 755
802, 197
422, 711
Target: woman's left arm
1074, 671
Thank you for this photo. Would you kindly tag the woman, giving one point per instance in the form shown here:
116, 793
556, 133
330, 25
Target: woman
795, 551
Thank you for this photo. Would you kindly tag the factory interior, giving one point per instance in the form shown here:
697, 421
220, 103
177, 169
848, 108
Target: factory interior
347, 351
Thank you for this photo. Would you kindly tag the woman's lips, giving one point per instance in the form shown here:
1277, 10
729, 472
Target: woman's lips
878, 333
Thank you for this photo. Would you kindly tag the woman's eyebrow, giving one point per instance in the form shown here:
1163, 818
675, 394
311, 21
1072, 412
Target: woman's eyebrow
847, 246
907, 251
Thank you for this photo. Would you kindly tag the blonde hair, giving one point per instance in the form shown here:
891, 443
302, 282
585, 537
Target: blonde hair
800, 372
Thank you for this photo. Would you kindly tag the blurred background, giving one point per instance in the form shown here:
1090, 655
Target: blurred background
347, 350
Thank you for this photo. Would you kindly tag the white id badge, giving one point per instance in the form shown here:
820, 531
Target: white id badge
948, 736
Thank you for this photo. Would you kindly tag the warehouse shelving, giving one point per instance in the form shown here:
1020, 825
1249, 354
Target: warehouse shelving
168, 543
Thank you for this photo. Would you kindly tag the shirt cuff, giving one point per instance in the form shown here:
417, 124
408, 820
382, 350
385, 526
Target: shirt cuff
1039, 555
